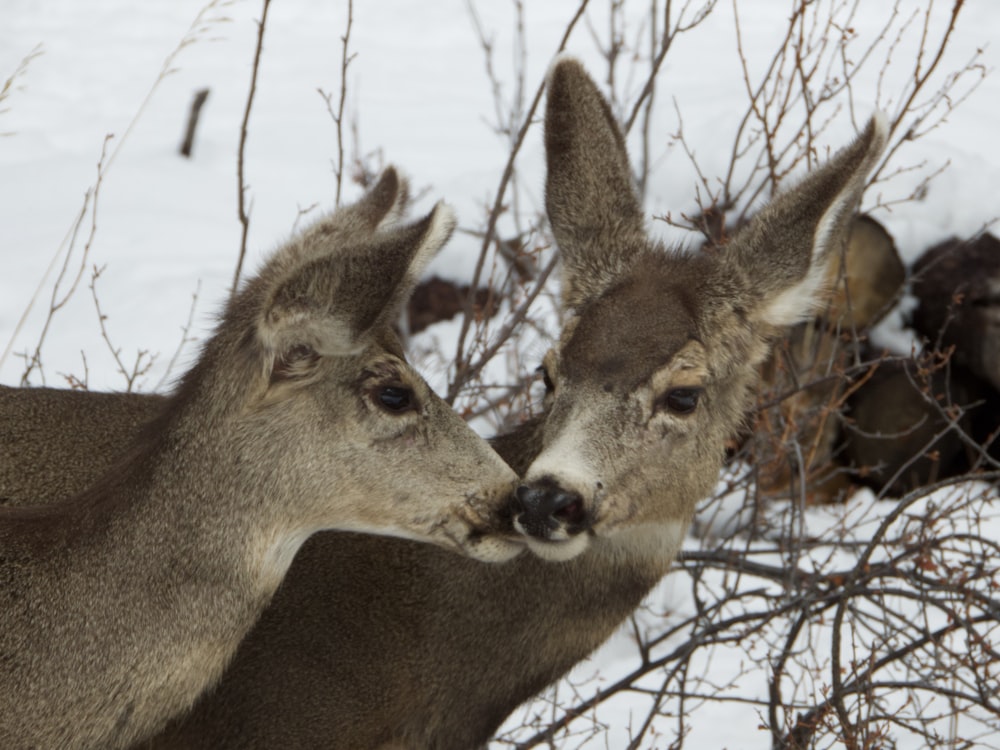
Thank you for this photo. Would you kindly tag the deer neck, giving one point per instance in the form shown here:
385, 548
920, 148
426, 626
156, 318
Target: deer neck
648, 549
165, 564
206, 487
214, 515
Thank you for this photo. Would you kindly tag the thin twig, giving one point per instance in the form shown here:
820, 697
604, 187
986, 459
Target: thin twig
241, 182
338, 115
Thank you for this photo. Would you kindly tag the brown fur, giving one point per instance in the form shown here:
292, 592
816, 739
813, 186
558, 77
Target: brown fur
377, 643
957, 286
122, 604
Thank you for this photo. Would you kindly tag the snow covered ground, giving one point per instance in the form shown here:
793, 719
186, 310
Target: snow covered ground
167, 227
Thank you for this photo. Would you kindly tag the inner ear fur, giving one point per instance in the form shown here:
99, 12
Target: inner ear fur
785, 251
590, 196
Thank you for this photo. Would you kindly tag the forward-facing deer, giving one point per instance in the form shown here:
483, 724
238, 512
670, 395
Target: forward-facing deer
654, 369
119, 606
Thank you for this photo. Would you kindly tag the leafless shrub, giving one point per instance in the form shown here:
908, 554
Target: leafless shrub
71, 273
515, 268
72, 265
830, 653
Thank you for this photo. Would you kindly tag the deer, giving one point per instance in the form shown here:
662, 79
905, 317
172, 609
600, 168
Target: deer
655, 366
121, 604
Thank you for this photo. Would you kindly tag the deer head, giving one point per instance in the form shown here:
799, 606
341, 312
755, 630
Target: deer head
657, 358
306, 371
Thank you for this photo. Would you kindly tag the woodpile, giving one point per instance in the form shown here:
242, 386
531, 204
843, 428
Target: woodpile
836, 413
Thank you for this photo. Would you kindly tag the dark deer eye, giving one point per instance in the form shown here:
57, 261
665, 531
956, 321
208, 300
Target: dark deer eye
549, 385
680, 400
395, 398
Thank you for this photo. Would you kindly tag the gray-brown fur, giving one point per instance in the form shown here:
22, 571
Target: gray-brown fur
120, 605
434, 650
42, 463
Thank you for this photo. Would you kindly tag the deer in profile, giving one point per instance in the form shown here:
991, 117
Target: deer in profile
655, 367
120, 605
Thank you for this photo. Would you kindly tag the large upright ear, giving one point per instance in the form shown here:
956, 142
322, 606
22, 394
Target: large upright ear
786, 249
329, 304
589, 193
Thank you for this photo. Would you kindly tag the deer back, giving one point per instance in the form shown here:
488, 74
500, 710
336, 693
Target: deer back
55, 443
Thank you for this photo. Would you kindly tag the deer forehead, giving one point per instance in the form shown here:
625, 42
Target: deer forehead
644, 330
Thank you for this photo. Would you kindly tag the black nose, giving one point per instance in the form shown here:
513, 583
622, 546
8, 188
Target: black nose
545, 506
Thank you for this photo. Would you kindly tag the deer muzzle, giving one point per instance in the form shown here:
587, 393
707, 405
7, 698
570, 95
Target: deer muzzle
543, 509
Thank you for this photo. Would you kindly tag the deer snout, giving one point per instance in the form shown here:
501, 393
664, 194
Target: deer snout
545, 510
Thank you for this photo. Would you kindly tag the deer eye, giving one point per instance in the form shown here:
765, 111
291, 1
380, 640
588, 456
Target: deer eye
679, 400
395, 398
549, 385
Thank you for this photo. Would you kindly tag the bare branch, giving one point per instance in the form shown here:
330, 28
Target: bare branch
242, 210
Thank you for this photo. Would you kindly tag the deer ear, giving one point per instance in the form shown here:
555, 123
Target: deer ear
330, 304
785, 251
589, 193
383, 204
